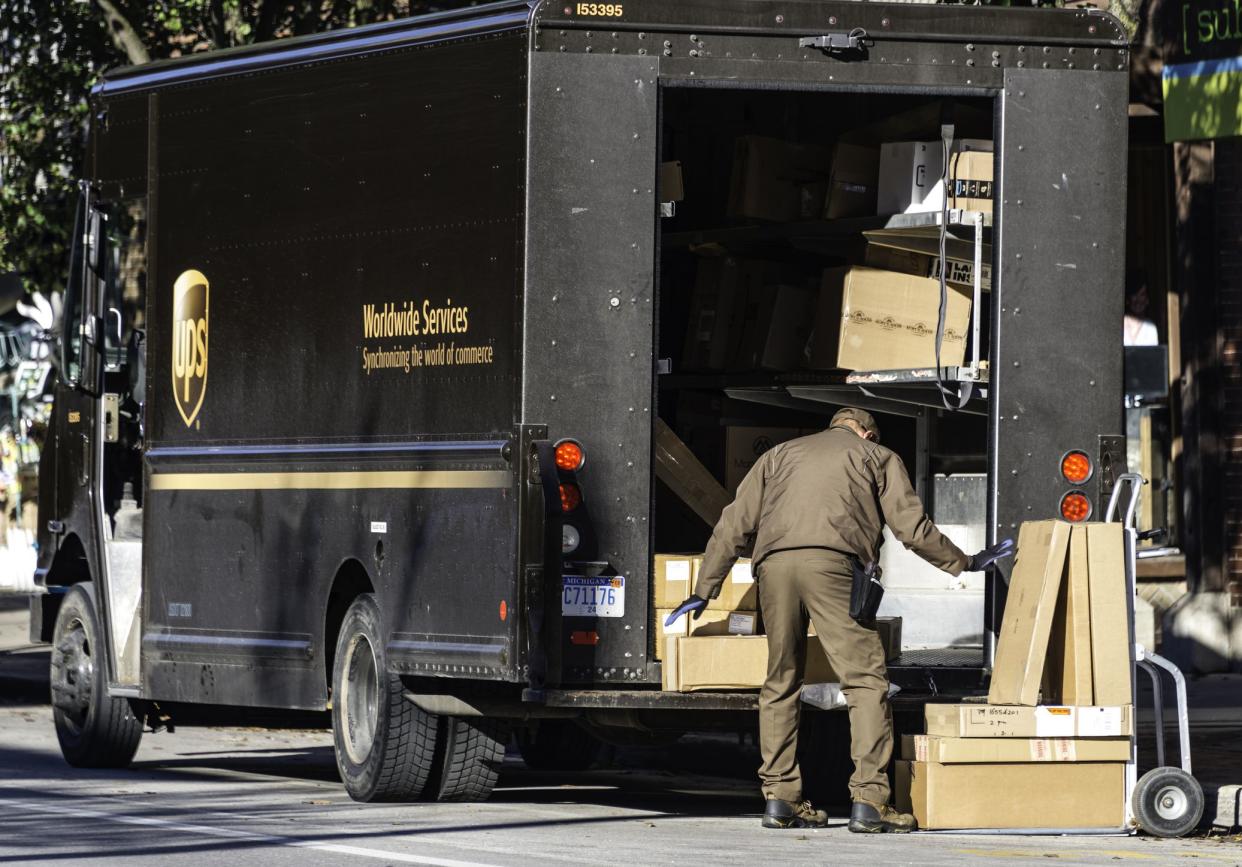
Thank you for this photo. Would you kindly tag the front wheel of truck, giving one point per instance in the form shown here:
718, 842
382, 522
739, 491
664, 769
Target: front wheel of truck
385, 745
95, 730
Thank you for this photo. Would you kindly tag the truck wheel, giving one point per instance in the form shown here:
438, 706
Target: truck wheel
469, 763
95, 730
1167, 802
385, 745
558, 745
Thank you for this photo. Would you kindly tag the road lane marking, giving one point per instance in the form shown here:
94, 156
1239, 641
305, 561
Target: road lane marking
232, 834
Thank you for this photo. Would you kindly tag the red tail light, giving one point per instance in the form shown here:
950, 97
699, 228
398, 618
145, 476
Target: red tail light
571, 498
1075, 507
569, 456
1076, 467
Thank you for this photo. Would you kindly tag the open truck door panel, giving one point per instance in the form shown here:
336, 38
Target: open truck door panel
356, 287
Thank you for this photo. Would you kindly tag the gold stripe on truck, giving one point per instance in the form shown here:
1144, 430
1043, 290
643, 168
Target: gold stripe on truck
330, 481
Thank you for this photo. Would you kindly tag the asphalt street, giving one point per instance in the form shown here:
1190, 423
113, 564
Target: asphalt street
254, 796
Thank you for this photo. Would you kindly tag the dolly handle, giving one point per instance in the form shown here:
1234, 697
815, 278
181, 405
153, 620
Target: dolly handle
1136, 482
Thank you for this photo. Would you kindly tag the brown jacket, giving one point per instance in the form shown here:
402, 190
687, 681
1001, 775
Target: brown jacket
831, 490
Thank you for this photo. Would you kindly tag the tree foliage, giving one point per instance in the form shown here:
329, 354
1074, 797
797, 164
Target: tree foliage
52, 51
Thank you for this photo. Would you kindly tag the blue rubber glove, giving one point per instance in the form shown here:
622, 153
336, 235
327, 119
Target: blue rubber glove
693, 603
988, 556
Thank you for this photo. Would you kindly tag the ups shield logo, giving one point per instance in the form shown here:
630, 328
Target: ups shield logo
189, 348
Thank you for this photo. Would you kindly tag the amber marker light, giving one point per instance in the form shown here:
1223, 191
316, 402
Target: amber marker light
1076, 467
571, 498
569, 456
1075, 507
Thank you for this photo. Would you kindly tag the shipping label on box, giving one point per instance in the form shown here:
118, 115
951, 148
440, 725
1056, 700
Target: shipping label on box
739, 591
970, 181
743, 622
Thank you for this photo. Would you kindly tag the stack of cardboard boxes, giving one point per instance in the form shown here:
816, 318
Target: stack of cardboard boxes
1018, 763
753, 314
725, 648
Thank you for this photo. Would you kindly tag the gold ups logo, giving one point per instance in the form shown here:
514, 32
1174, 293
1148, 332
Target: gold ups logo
189, 349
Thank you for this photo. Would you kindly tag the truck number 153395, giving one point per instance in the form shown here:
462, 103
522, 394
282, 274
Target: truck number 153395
605, 10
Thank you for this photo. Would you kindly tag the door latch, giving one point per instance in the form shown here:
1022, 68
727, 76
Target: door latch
839, 43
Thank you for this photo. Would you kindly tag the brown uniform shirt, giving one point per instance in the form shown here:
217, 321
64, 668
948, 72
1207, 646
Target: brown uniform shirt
831, 490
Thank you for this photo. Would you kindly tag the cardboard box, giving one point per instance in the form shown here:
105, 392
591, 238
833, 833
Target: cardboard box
961, 273
773, 178
911, 174
881, 320
970, 181
662, 632
1067, 673
1045, 721
677, 467
1013, 795
696, 663
713, 622
1033, 587
776, 327
745, 445
1110, 618
674, 576
953, 751
852, 183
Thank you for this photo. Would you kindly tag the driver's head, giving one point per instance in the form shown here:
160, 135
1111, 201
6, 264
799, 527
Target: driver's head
859, 421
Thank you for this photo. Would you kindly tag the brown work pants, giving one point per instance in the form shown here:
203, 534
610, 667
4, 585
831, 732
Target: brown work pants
793, 584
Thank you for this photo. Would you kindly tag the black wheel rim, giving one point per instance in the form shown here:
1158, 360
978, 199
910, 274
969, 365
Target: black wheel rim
73, 677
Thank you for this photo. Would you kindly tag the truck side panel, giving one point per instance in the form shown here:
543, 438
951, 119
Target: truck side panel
332, 369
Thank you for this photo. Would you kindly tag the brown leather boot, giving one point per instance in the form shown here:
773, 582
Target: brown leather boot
792, 814
869, 818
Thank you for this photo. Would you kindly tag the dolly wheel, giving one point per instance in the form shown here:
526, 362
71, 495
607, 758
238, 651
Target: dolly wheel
1167, 802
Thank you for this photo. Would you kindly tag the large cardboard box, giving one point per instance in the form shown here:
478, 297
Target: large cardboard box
1033, 586
852, 183
777, 180
911, 173
1110, 615
1013, 795
745, 445
776, 327
1045, 721
680, 469
739, 591
882, 320
696, 663
953, 751
1067, 674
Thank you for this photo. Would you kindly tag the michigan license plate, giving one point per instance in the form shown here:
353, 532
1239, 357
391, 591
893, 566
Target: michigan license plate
592, 597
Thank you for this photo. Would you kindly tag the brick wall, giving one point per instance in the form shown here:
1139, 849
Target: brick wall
1228, 225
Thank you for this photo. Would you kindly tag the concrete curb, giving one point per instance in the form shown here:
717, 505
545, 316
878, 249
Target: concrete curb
1222, 806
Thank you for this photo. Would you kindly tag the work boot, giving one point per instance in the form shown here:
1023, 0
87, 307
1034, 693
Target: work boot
792, 814
869, 818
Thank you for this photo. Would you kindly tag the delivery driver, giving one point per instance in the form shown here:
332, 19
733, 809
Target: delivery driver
812, 508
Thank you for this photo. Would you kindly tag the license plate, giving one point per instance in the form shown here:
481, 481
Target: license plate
592, 597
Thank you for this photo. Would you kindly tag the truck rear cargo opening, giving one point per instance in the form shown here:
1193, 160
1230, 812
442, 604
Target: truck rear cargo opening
773, 202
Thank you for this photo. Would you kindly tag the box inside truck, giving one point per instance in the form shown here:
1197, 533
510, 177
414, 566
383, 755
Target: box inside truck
782, 272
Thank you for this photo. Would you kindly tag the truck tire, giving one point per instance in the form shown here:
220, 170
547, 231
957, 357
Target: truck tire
472, 749
94, 729
558, 745
385, 746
